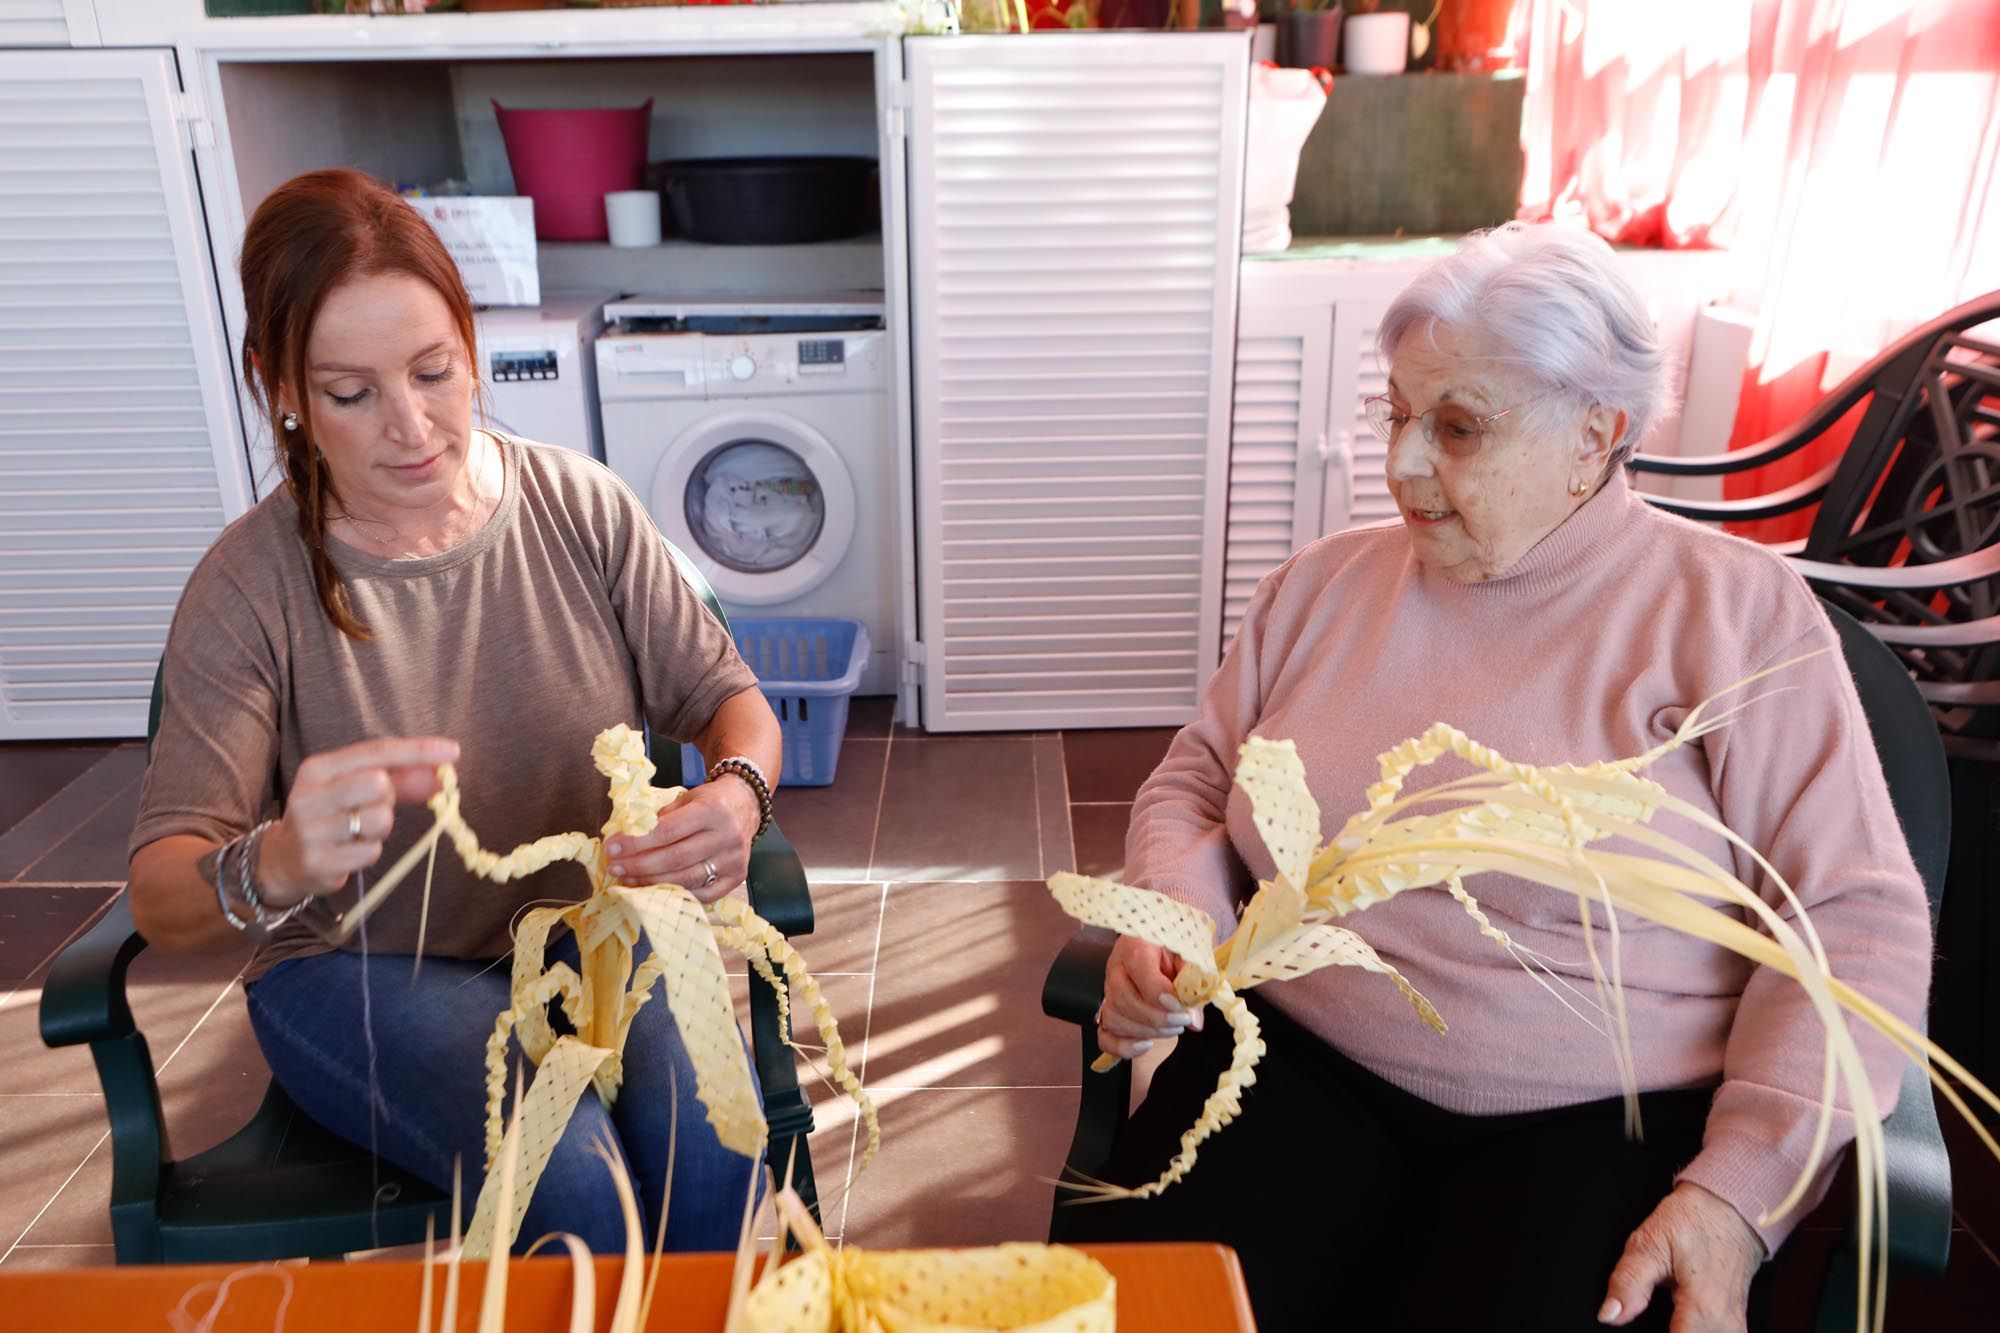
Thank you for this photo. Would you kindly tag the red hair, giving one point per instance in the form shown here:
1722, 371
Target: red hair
312, 234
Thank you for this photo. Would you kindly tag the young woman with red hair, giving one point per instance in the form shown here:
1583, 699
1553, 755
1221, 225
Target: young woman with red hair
421, 591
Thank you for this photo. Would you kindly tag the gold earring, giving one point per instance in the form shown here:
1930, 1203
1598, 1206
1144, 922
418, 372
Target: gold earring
1579, 487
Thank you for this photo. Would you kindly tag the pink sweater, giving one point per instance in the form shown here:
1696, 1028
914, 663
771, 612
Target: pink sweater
1592, 648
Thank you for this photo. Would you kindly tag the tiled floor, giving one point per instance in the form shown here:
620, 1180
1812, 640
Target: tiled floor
927, 857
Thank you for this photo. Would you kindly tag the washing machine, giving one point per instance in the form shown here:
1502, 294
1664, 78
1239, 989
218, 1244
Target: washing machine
759, 435
540, 377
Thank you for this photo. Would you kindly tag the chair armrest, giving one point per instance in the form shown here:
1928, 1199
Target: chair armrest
1962, 634
83, 999
777, 885
1769, 504
1981, 564
1075, 984
1919, 1179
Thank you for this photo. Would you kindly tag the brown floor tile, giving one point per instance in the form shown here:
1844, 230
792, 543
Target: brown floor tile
35, 922
962, 1168
1110, 765
209, 1089
42, 1140
72, 807
833, 827
1099, 831
32, 772
97, 851
870, 716
1052, 805
959, 807
847, 918
60, 1256
958, 988
169, 994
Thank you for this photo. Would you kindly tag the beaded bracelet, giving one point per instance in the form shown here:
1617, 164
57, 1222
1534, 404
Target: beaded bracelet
747, 770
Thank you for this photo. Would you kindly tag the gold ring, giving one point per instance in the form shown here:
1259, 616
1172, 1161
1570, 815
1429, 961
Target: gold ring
354, 826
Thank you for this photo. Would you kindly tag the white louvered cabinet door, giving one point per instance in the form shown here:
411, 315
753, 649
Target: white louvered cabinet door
1358, 490
1075, 221
120, 457
37, 23
1279, 446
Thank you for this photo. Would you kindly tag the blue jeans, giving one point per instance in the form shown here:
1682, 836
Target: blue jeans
430, 1075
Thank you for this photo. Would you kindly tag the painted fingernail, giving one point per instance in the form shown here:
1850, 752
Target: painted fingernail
618, 869
1141, 1047
1610, 1310
615, 848
1169, 1000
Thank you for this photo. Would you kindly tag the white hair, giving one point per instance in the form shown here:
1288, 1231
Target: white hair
1552, 298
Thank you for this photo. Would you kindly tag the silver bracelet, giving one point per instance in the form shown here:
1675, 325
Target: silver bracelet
245, 851
221, 889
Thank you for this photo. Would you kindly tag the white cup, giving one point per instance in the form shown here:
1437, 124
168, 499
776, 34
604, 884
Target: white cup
1375, 43
633, 217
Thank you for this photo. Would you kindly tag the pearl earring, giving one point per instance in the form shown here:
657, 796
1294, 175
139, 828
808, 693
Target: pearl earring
291, 421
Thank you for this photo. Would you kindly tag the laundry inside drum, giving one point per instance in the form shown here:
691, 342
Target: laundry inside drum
755, 506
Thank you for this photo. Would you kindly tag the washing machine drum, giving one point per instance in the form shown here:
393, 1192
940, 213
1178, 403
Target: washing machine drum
760, 501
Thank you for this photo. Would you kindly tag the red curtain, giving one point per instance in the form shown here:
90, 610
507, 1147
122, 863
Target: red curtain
1844, 150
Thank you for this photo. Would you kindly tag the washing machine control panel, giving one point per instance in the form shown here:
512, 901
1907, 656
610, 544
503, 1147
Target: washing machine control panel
720, 366
794, 363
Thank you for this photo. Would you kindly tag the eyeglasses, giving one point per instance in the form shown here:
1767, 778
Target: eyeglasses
1454, 428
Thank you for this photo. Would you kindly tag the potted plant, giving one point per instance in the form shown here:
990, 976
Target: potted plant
1310, 35
1376, 40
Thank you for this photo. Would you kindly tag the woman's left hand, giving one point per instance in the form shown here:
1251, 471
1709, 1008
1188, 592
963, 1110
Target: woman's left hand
1701, 1247
710, 828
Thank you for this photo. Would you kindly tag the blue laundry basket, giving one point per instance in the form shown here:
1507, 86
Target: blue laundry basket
809, 669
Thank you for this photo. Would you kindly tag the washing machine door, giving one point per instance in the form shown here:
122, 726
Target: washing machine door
760, 501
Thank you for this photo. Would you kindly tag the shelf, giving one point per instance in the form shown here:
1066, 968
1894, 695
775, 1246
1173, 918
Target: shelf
689, 268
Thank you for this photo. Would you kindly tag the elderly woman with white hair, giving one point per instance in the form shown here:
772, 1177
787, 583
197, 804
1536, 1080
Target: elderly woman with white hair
1484, 1178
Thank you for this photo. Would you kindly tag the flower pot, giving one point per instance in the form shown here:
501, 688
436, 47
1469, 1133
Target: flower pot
1474, 35
1310, 39
1376, 43
568, 159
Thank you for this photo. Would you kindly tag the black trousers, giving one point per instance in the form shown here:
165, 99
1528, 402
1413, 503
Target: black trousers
1355, 1205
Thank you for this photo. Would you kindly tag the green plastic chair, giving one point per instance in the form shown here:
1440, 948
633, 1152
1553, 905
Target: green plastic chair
281, 1186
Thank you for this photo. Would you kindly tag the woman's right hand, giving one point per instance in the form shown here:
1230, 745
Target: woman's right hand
1140, 1006
342, 805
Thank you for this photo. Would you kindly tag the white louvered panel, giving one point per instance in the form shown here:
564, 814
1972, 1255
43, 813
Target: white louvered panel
119, 458
33, 23
1372, 501
1072, 303
1276, 438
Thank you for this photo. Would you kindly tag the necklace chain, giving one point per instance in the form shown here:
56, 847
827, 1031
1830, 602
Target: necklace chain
480, 513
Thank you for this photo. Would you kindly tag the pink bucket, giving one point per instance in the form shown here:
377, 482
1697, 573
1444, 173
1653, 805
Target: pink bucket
568, 160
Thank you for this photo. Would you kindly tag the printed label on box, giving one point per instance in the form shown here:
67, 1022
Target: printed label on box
493, 239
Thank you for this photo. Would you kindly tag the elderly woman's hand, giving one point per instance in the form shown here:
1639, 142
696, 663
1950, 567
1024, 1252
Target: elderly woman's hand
702, 842
340, 808
1699, 1245
1139, 1003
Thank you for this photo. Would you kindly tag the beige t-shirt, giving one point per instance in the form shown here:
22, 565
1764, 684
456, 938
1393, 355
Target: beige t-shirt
563, 615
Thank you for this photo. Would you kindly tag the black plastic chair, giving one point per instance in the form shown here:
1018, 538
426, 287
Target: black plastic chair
1906, 536
282, 1186
1919, 1170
